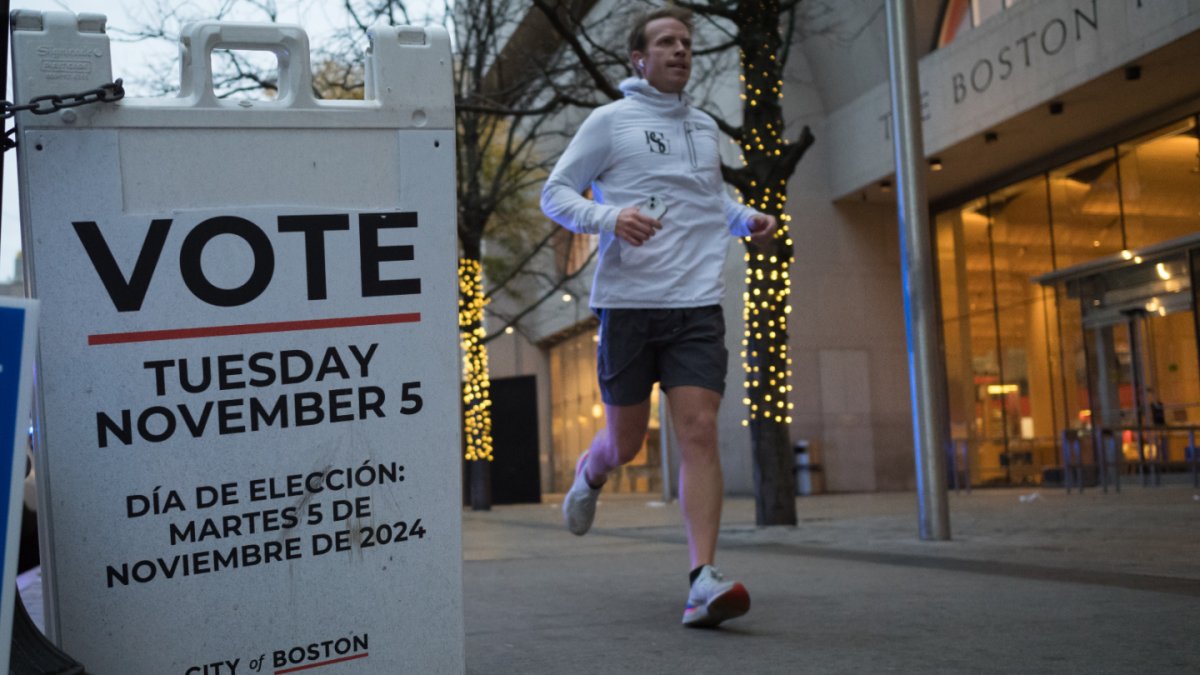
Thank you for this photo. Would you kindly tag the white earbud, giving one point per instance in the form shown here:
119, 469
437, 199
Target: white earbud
642, 64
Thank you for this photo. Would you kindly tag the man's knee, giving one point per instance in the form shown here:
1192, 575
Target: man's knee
698, 439
696, 424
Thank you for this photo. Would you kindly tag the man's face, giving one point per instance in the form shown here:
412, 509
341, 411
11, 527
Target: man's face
667, 62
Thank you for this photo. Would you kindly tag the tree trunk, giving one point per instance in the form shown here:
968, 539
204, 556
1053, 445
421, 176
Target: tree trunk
480, 476
768, 165
774, 474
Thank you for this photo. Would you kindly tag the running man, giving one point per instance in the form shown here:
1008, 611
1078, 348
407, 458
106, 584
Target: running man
664, 217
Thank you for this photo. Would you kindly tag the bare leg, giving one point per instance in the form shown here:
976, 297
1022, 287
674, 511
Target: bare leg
626, 424
701, 486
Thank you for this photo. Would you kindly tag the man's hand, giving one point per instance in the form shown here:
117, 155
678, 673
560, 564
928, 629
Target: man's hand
635, 227
762, 229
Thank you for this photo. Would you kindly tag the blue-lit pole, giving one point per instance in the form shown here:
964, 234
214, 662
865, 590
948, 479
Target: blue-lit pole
925, 365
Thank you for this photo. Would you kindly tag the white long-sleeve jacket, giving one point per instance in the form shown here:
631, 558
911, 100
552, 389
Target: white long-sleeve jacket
649, 143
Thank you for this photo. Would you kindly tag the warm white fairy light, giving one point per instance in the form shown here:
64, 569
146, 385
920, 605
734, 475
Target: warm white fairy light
477, 402
765, 358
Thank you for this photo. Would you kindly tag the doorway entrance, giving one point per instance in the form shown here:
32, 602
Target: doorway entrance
1141, 372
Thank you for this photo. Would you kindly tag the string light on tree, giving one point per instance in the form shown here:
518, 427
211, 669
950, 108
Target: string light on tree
766, 361
768, 160
477, 403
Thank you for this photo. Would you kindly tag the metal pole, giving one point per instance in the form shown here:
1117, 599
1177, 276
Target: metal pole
666, 443
925, 366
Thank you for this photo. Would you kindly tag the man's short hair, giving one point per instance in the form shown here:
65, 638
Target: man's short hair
637, 36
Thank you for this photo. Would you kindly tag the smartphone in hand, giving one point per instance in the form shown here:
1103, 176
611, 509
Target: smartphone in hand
654, 207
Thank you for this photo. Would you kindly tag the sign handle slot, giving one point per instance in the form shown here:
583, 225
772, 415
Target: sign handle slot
289, 44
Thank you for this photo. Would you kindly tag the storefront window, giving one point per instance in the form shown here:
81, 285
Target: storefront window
1030, 364
1086, 210
956, 326
576, 409
1070, 367
577, 413
1160, 184
969, 319
1025, 393
1169, 367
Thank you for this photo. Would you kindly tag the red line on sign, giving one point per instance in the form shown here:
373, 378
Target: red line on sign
250, 328
323, 663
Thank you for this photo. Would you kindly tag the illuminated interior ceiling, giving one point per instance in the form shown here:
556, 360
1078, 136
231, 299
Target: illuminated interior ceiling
1009, 228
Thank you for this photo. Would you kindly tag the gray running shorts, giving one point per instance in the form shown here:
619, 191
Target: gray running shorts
674, 347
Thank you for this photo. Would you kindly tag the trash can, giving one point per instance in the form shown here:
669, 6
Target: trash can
803, 468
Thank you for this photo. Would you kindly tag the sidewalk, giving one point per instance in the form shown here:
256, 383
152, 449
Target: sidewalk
1033, 581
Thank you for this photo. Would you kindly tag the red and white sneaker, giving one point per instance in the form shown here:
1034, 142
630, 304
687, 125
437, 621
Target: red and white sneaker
713, 600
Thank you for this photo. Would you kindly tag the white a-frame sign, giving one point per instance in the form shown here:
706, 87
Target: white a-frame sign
248, 367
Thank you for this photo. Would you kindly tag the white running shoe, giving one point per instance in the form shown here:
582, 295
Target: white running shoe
579, 504
713, 600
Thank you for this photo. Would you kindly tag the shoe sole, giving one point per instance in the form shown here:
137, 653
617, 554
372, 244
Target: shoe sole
728, 605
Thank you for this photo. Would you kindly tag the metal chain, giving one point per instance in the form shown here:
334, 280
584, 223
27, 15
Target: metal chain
44, 105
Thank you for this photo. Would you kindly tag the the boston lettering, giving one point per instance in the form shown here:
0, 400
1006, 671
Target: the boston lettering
1017, 54
1025, 51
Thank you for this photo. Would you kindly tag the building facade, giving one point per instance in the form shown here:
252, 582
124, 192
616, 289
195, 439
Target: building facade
1064, 185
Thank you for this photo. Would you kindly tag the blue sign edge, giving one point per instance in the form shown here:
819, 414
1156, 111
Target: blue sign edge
18, 337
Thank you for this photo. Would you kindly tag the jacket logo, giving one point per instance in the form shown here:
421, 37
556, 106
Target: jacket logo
658, 143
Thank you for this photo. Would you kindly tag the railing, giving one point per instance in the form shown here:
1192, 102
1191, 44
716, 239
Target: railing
1153, 454
1159, 438
1107, 454
1073, 461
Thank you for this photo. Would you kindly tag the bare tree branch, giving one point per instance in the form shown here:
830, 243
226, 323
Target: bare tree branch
568, 35
710, 9
498, 286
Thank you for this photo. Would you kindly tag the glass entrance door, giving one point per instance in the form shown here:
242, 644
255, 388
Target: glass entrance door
1169, 392
1142, 366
